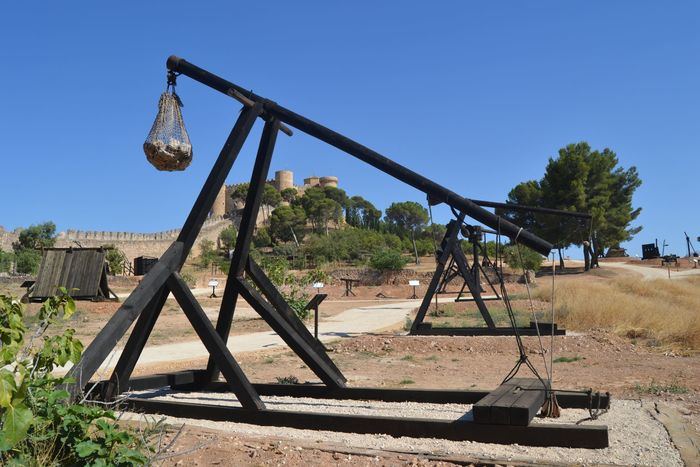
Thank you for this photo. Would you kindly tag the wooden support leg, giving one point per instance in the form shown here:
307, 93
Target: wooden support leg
474, 289
119, 323
245, 234
447, 245
293, 339
235, 377
279, 303
134, 346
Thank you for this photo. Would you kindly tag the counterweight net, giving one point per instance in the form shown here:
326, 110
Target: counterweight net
168, 146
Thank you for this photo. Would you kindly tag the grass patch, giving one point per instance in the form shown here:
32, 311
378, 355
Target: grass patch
432, 358
662, 310
269, 360
568, 359
406, 381
291, 379
657, 389
368, 354
408, 358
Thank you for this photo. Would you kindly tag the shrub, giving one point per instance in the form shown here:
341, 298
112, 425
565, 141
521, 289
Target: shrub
262, 238
387, 260
6, 260
227, 238
523, 259
27, 261
39, 423
116, 260
207, 253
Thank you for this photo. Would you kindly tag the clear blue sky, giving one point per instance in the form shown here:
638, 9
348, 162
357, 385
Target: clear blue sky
474, 95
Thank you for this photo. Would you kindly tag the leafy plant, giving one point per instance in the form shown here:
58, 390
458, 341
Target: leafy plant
39, 423
291, 379
387, 260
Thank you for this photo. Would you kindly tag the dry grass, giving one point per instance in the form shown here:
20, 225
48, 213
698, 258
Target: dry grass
661, 310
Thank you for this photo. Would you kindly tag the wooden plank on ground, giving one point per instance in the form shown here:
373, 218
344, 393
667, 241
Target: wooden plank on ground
515, 402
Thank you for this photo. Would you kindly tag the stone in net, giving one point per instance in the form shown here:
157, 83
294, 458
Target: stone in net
168, 145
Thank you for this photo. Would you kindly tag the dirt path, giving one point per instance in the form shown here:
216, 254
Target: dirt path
648, 273
349, 323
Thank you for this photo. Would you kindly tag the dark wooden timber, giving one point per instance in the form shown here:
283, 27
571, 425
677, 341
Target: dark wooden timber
471, 282
217, 177
463, 429
135, 344
108, 337
520, 207
308, 353
446, 247
215, 345
278, 302
514, 402
195, 380
435, 191
245, 233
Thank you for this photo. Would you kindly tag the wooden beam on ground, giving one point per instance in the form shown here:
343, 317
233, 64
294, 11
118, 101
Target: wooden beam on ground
572, 436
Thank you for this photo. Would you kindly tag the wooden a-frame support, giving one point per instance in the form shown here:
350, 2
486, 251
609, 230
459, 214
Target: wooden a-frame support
247, 281
453, 264
147, 300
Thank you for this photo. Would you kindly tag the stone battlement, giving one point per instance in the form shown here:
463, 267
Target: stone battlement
77, 235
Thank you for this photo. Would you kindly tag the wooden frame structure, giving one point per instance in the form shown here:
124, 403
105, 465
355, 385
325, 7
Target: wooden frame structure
82, 271
452, 263
247, 281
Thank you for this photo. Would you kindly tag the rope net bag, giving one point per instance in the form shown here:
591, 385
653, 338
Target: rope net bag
167, 146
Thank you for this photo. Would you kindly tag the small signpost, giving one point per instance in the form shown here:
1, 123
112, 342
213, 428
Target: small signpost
213, 283
414, 283
314, 303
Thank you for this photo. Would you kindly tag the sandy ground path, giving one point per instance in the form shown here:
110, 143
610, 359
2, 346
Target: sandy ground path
652, 273
348, 323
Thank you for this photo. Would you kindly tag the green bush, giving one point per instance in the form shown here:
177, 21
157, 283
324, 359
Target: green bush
6, 260
116, 259
387, 260
39, 425
27, 261
525, 259
262, 238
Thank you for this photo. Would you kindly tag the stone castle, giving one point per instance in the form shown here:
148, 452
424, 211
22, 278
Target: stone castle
225, 206
224, 213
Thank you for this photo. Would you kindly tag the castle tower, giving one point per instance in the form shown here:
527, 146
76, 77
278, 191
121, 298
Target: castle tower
329, 181
284, 179
219, 207
311, 181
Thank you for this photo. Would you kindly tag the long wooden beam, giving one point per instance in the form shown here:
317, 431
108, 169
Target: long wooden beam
435, 192
463, 429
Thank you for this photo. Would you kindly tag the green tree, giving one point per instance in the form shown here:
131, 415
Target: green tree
207, 253
239, 192
6, 260
361, 213
581, 180
289, 195
320, 209
271, 198
408, 217
287, 223
36, 237
227, 238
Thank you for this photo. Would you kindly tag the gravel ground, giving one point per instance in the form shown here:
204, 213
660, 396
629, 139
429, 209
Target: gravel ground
636, 437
